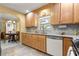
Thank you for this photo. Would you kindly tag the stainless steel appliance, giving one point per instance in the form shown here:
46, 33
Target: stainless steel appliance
75, 45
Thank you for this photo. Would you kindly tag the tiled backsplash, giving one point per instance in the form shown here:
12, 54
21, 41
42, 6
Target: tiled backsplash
69, 29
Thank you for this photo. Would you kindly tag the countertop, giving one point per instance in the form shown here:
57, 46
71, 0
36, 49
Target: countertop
59, 35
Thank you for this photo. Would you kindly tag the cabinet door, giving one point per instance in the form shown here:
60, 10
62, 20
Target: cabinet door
34, 41
28, 20
76, 12
23, 38
34, 20
31, 20
67, 43
29, 40
55, 14
66, 13
26, 39
42, 43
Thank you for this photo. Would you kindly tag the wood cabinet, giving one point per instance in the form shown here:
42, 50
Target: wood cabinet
67, 43
23, 38
29, 40
31, 20
26, 39
28, 20
42, 43
66, 13
62, 13
34, 41
34, 20
76, 12
39, 42
55, 14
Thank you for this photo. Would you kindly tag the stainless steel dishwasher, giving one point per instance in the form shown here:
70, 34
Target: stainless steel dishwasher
54, 45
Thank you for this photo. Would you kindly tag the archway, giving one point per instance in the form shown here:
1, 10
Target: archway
9, 23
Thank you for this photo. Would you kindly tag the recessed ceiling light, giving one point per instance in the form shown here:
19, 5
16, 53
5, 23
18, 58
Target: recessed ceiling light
27, 11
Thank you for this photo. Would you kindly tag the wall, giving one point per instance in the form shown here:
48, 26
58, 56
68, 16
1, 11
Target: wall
20, 16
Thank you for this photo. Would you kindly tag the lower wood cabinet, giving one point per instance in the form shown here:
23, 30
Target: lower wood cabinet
23, 38
66, 44
35, 41
42, 43
28, 40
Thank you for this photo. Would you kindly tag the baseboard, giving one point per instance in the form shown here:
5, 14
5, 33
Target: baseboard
38, 50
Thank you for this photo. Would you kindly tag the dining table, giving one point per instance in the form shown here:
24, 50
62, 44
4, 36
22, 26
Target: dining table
11, 36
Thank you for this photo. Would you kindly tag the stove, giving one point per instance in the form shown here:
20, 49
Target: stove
75, 46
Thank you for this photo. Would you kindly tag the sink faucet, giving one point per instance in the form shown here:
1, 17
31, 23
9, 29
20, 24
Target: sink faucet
43, 29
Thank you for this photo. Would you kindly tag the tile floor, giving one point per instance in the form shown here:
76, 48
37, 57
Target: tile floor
17, 49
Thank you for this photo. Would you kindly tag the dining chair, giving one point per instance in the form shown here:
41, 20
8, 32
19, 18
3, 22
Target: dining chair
17, 36
3, 36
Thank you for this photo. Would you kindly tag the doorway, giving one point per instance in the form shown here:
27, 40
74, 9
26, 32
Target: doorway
9, 30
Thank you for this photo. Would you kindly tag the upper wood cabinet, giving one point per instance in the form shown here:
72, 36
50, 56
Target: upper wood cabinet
55, 14
31, 20
61, 13
66, 13
34, 20
28, 20
76, 12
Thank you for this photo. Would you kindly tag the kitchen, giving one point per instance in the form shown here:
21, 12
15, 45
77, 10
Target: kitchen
52, 28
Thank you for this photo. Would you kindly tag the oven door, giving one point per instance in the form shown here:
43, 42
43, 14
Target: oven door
70, 51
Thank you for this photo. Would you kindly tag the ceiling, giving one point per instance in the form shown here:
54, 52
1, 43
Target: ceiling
7, 16
22, 7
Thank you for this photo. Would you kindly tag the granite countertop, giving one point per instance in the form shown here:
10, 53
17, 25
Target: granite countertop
59, 35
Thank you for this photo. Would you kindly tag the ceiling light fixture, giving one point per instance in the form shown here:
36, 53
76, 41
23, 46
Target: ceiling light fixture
27, 11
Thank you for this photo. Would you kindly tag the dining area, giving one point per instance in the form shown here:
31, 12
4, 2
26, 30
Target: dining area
10, 37
9, 28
